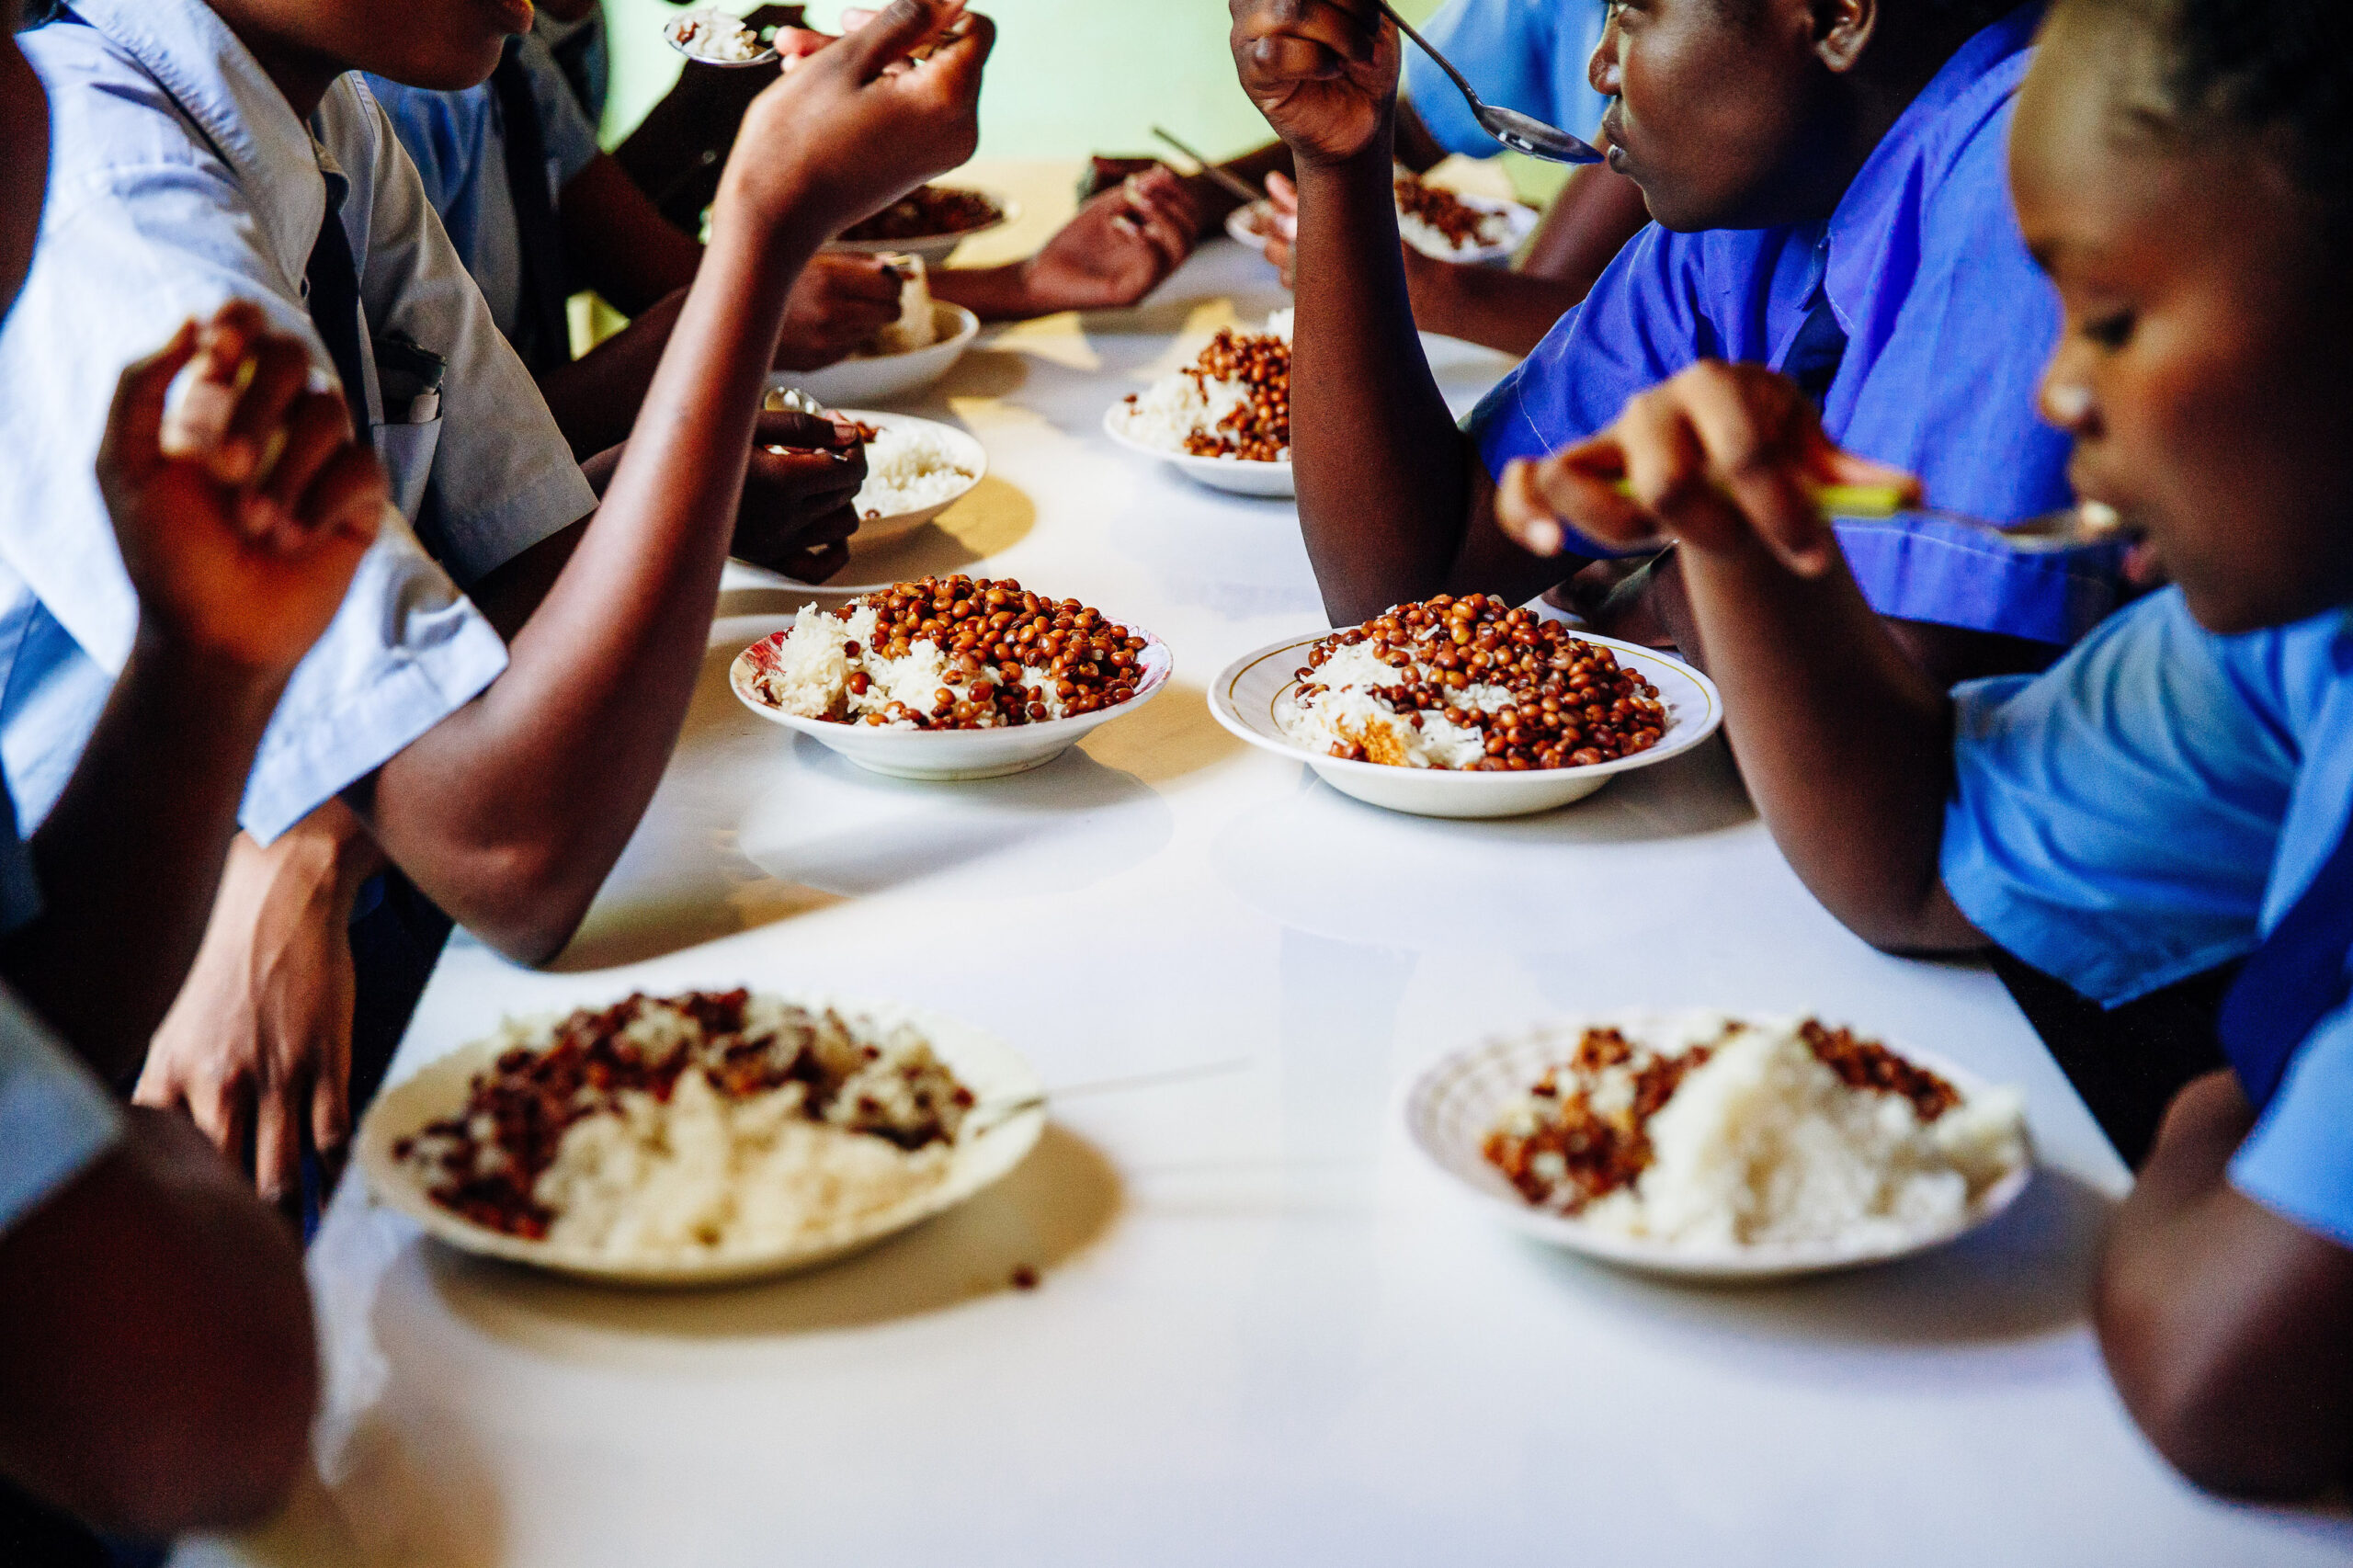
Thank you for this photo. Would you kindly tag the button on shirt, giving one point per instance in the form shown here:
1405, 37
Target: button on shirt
458, 140
55, 1118
2151, 807
1530, 55
180, 178
1948, 323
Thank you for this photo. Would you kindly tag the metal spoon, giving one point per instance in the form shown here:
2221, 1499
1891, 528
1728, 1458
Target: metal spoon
1000, 1112
2070, 527
670, 34
1521, 132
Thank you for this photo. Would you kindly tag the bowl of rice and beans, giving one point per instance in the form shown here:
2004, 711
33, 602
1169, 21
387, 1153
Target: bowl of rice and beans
1223, 420
950, 677
1466, 708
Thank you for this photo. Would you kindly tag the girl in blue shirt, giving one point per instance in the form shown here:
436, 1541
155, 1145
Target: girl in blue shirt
2177, 793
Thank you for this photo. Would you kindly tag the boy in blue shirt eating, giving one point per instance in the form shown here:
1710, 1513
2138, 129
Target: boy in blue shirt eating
2177, 793
1826, 181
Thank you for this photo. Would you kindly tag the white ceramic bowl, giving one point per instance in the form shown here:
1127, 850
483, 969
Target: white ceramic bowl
970, 456
1245, 695
936, 249
879, 378
1451, 1106
992, 1146
1234, 475
958, 753
1246, 224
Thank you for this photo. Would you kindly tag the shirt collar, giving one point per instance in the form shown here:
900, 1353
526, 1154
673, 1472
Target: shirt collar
288, 181
1866, 215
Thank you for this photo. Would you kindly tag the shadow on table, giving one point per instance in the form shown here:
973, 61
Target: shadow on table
833, 827
1170, 737
985, 373
2026, 1276
1054, 1205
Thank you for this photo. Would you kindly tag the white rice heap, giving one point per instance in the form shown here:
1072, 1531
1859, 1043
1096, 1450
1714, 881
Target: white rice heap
908, 468
811, 670
1764, 1144
1348, 713
917, 326
1188, 403
708, 33
1493, 229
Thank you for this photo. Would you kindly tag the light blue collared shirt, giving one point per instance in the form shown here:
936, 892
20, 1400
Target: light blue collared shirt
1949, 323
1530, 55
2151, 807
181, 178
458, 141
56, 1118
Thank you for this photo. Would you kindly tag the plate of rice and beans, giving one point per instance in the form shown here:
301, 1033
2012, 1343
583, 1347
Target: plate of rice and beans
1466, 708
950, 677
1705, 1145
930, 221
699, 1138
1223, 420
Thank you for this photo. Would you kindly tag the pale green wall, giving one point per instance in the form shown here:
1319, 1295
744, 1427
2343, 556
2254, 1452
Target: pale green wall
1069, 76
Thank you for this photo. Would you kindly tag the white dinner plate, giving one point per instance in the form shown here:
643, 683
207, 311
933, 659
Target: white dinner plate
1234, 475
970, 456
958, 753
935, 249
879, 378
1246, 224
1452, 1106
1245, 694
992, 1146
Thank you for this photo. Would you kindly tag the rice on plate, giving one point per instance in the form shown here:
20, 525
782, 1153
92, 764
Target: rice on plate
1233, 401
911, 467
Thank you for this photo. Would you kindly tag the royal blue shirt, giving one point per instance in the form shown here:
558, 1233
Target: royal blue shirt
1949, 323
2152, 806
1530, 55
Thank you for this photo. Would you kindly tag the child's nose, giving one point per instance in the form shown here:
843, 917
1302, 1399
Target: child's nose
1601, 71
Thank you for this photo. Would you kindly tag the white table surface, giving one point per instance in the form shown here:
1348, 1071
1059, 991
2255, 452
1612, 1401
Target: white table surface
1265, 1333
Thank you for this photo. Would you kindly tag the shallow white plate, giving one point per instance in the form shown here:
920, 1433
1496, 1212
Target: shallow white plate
1232, 474
1453, 1104
866, 378
1245, 695
1246, 224
995, 1143
936, 249
959, 754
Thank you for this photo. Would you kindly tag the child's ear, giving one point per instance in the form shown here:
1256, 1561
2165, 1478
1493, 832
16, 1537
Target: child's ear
1843, 29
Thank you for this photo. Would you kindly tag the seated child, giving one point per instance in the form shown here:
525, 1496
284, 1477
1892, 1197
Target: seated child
1828, 202
157, 1366
499, 743
596, 229
2176, 792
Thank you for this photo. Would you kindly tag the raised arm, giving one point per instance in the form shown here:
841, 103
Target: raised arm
239, 563
1393, 502
1845, 747
509, 812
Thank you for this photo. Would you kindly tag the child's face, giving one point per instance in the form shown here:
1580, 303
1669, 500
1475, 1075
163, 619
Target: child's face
2206, 367
438, 45
24, 171
1716, 107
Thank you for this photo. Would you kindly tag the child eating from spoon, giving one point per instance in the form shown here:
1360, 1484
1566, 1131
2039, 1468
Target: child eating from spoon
2176, 792
1827, 180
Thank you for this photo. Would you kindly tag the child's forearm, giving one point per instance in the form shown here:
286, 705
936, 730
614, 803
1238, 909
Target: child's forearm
130, 857
510, 813
1509, 311
2227, 1327
596, 398
1845, 747
1381, 470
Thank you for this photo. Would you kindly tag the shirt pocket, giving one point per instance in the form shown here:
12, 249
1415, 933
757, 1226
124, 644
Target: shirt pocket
407, 454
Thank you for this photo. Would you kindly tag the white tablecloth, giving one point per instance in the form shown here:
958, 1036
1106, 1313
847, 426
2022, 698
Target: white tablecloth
1264, 1333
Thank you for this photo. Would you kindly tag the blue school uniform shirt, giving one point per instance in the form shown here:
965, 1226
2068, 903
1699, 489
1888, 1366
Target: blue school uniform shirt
1530, 55
2151, 807
1949, 323
55, 1118
180, 178
458, 141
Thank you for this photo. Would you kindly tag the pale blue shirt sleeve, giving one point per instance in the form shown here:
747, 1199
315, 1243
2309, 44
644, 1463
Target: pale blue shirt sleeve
150, 222
564, 129
1530, 56
2298, 1159
2114, 820
56, 1119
